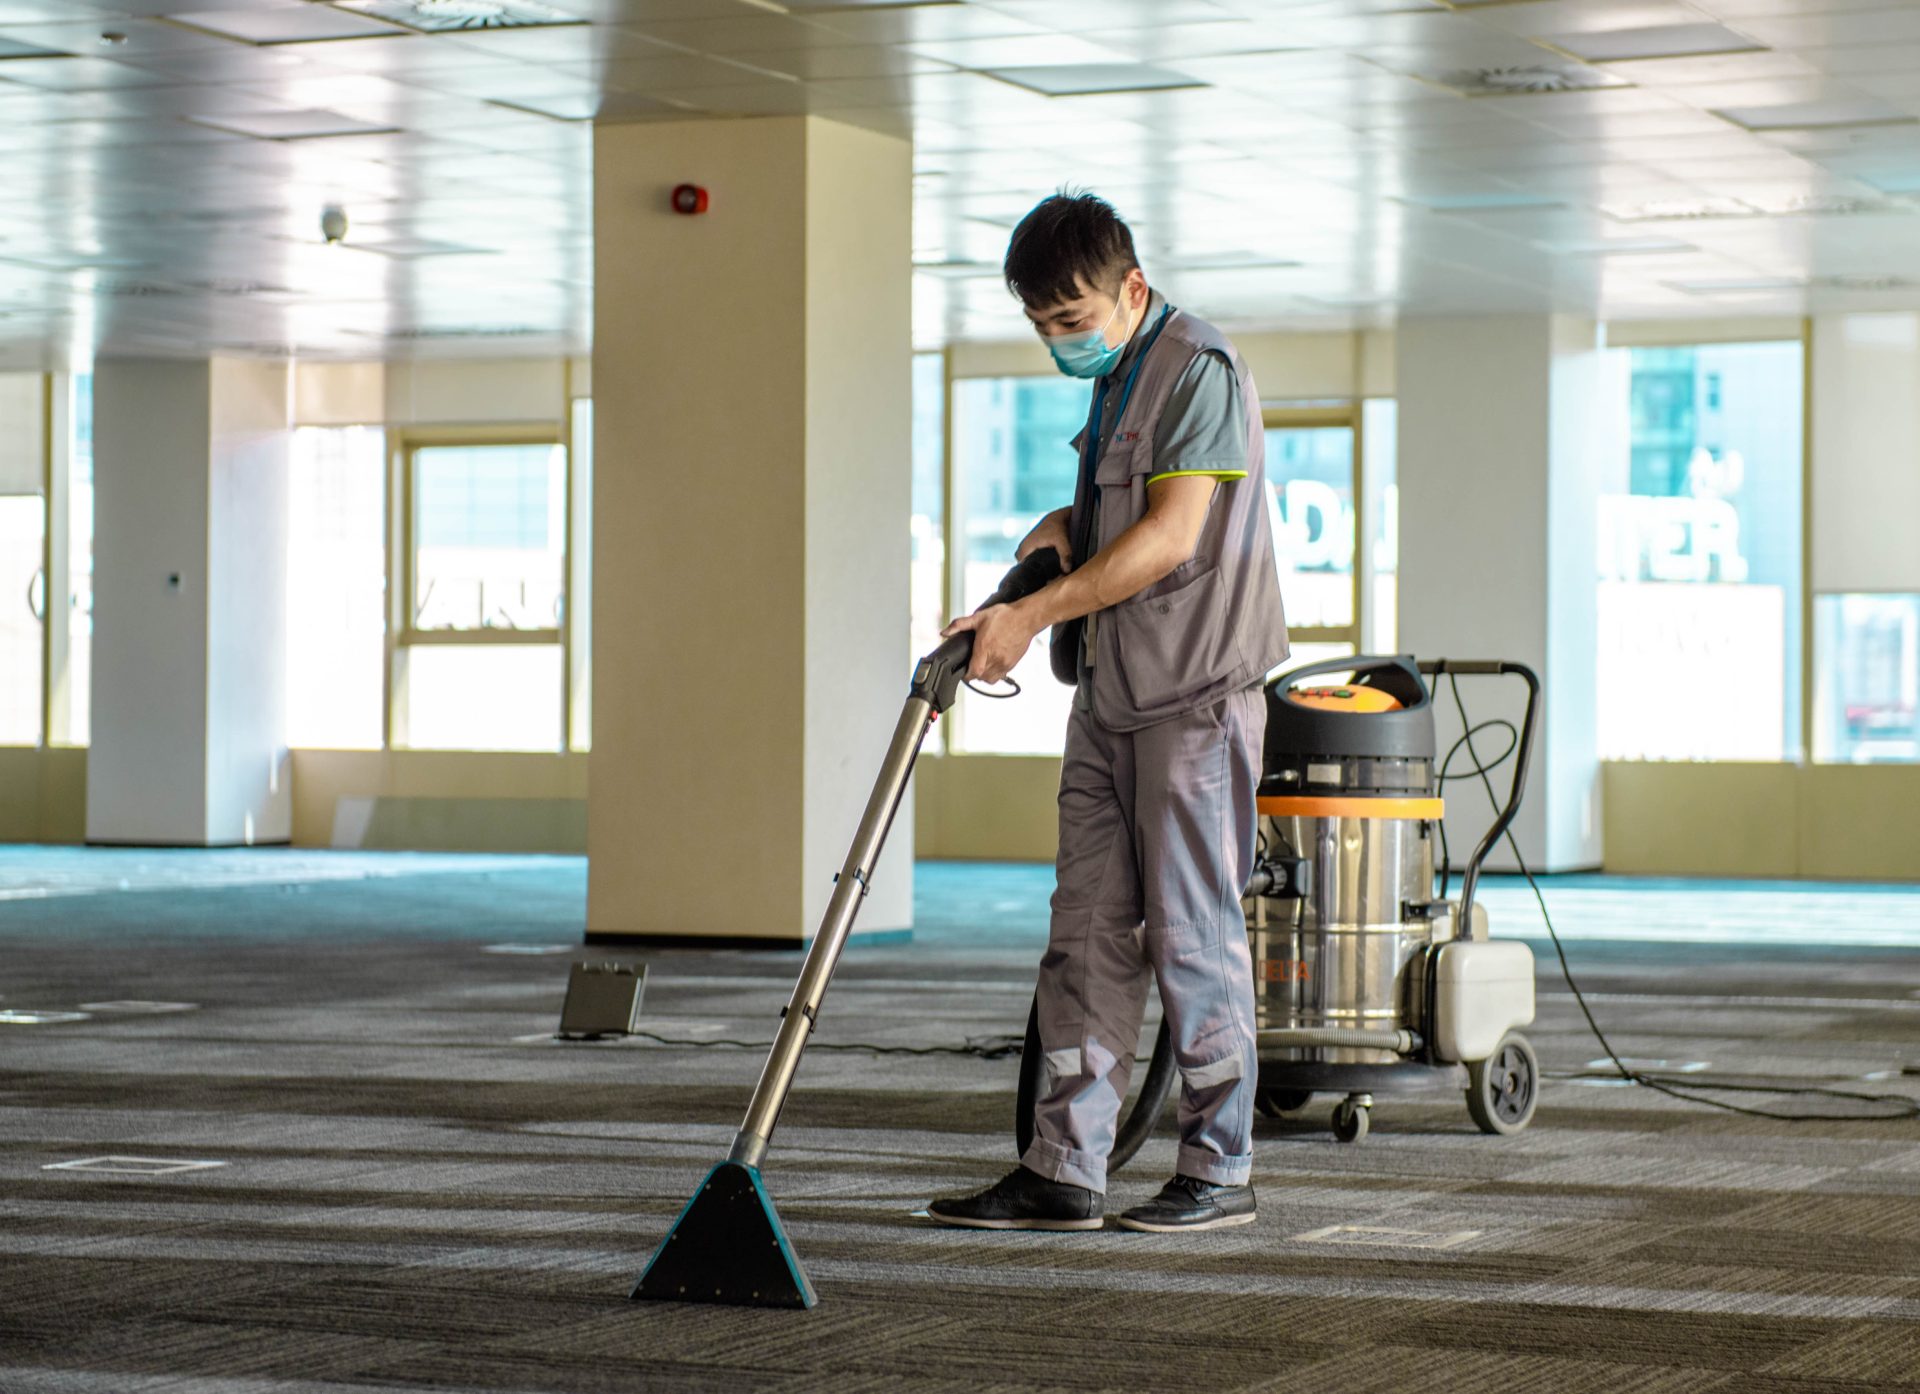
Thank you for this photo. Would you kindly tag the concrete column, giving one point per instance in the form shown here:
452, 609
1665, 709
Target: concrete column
751, 374
1499, 455
189, 642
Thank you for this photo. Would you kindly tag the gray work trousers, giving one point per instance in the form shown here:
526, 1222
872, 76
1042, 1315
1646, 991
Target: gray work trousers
1156, 844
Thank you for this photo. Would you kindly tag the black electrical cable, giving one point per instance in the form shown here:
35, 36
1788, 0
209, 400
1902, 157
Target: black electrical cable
974, 687
978, 1047
1446, 769
1905, 1108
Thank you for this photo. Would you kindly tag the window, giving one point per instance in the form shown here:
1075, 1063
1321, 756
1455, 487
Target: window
1013, 460
1310, 479
23, 521
75, 691
928, 524
483, 663
579, 609
23, 556
1867, 704
443, 621
1700, 556
489, 536
336, 588
1380, 591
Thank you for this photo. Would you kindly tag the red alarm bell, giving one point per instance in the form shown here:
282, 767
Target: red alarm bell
689, 199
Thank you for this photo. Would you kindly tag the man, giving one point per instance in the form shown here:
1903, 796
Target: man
1167, 622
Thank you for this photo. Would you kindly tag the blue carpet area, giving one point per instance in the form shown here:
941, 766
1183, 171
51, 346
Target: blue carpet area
186, 893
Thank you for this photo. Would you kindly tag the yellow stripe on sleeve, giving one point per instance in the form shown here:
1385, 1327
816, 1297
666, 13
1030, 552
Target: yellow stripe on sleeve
1189, 474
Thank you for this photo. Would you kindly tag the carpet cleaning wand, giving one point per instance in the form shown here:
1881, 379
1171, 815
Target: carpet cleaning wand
728, 1245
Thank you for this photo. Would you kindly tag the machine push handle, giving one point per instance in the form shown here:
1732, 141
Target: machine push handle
934, 684
1523, 753
937, 678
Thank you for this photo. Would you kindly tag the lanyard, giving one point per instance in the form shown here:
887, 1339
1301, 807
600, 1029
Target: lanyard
1090, 443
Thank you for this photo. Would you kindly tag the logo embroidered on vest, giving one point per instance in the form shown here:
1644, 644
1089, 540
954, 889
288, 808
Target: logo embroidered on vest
1126, 436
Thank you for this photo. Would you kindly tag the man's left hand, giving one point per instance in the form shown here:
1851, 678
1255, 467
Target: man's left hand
1001, 637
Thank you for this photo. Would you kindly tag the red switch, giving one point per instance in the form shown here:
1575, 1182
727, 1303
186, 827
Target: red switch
689, 199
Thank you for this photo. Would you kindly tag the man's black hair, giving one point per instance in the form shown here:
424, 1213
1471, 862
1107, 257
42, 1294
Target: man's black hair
1069, 243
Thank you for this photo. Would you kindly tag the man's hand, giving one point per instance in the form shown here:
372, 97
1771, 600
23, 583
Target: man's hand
1001, 636
1050, 531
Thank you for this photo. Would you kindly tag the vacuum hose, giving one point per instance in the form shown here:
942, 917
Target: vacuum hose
1342, 1037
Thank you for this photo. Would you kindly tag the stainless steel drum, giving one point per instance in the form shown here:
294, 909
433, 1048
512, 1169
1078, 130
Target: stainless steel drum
1344, 955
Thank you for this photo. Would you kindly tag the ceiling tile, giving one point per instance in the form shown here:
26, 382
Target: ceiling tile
283, 24
1660, 41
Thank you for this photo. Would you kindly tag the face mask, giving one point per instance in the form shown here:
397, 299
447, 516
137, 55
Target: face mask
1087, 355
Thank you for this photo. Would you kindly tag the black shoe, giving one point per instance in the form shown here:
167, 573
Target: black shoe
1186, 1203
1023, 1199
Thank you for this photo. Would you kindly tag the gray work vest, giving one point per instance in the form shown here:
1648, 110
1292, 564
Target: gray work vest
1212, 626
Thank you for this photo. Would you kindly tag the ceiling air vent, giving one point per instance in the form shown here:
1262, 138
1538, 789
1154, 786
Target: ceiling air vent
135, 290
1836, 206
471, 331
1862, 283
447, 16
1531, 80
237, 288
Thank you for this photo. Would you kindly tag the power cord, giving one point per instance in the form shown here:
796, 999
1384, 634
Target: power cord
1013, 688
1904, 1107
976, 1047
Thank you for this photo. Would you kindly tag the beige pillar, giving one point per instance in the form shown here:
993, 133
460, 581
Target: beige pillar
189, 636
750, 501
1499, 454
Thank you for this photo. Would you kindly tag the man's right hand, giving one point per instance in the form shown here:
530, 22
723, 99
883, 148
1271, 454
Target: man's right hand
1050, 531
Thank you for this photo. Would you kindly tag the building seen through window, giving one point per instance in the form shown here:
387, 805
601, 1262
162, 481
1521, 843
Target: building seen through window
1013, 461
1867, 678
1700, 553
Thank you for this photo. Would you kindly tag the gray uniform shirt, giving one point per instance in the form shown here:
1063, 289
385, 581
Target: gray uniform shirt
1202, 428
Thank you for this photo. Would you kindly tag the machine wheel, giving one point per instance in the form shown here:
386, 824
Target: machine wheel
1278, 1103
1350, 1120
1148, 1104
1503, 1089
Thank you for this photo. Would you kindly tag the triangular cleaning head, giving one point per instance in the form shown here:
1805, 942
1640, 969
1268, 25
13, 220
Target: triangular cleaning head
727, 1246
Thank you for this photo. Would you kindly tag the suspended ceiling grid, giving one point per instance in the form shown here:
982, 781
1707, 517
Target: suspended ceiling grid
1320, 164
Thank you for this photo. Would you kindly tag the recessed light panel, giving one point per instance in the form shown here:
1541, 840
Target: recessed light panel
300, 24
1662, 41
1088, 79
290, 125
445, 16
1796, 116
1480, 203
1620, 247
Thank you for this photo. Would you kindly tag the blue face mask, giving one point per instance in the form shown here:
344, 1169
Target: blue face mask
1087, 355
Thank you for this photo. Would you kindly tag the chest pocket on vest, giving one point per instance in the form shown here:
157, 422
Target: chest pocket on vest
1120, 489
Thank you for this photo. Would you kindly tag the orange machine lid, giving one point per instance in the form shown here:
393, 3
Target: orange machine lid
1337, 806
1358, 700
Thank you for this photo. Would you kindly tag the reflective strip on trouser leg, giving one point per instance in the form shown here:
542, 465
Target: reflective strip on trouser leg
1093, 980
1194, 812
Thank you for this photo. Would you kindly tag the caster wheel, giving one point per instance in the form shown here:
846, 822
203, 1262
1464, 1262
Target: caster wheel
1278, 1103
1503, 1089
1350, 1121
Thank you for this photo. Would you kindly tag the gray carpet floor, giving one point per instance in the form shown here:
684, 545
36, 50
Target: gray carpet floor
417, 1188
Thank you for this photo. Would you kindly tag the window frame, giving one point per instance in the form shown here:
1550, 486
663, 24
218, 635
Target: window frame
1335, 415
403, 446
